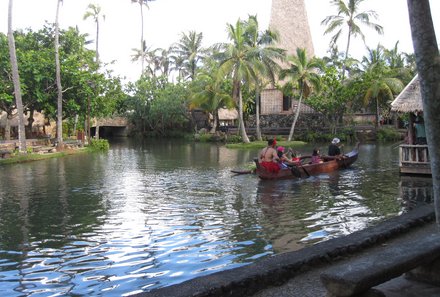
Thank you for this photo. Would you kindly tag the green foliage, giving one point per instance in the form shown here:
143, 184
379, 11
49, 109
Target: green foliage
388, 134
158, 106
234, 139
99, 145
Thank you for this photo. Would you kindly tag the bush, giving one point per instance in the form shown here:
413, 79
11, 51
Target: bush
99, 144
388, 134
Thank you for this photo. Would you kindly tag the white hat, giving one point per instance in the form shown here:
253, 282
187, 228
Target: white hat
336, 140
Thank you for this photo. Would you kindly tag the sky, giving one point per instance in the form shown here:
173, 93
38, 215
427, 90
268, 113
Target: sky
166, 20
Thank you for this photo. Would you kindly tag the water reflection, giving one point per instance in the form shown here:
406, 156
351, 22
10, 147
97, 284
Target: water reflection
150, 214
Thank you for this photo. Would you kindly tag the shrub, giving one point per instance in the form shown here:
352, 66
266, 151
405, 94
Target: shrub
388, 134
99, 144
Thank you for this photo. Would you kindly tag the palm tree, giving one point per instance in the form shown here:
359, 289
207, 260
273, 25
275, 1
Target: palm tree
303, 73
209, 94
261, 42
141, 6
426, 52
145, 54
190, 49
16, 81
349, 15
381, 85
58, 79
94, 12
245, 60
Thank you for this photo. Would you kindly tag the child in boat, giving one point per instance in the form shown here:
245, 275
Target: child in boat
316, 157
295, 157
282, 157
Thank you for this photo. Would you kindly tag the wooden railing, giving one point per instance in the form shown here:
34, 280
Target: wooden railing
414, 154
414, 159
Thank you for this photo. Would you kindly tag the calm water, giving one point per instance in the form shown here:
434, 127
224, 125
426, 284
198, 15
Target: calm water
147, 215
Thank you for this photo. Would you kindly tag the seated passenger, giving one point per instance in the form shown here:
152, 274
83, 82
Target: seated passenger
283, 159
269, 157
334, 148
316, 157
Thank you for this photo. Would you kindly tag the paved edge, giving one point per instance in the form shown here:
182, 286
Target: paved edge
278, 269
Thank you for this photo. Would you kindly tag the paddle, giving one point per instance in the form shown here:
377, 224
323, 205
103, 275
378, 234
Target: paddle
244, 171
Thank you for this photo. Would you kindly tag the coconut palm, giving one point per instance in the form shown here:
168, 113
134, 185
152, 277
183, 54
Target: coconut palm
190, 49
245, 61
426, 52
209, 94
303, 75
141, 6
94, 12
349, 15
58, 78
16, 81
261, 42
381, 84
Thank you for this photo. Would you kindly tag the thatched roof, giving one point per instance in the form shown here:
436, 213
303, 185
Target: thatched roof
410, 99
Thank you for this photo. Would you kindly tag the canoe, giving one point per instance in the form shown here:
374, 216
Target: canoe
307, 169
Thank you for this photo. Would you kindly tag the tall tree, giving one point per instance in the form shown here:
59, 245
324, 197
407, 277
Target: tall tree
190, 49
428, 66
380, 81
94, 12
141, 6
16, 80
246, 60
304, 75
209, 93
262, 42
349, 15
58, 78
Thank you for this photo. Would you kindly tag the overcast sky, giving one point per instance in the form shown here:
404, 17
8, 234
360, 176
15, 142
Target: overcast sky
167, 19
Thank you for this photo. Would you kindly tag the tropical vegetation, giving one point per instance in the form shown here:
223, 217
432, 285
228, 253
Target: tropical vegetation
187, 77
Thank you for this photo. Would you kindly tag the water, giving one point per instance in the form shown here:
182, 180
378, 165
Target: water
152, 214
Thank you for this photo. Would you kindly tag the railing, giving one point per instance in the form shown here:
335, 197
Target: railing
414, 154
414, 159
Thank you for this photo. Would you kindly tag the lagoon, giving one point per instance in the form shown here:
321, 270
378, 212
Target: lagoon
151, 213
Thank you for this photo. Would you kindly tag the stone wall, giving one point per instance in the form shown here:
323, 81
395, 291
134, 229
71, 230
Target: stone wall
312, 122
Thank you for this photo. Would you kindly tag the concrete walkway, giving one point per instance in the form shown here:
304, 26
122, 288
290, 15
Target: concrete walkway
298, 273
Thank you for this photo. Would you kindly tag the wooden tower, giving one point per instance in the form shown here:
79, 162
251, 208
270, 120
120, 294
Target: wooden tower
289, 19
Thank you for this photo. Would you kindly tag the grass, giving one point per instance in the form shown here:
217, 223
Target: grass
22, 158
262, 144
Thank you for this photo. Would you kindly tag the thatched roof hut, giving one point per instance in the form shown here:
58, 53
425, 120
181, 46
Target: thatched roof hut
410, 99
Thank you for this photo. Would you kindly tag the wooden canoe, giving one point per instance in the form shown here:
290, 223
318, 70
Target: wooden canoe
306, 169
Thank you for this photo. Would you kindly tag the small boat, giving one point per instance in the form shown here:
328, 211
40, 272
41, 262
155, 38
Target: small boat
307, 169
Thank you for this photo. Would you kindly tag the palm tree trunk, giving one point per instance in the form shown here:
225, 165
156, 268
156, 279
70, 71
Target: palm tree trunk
16, 81
377, 113
58, 78
428, 66
295, 119
257, 114
142, 36
97, 42
240, 114
344, 66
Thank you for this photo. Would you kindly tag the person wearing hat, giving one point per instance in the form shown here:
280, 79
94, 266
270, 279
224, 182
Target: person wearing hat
269, 158
334, 149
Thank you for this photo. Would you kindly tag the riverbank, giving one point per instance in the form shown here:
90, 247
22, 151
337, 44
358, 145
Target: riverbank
37, 152
298, 273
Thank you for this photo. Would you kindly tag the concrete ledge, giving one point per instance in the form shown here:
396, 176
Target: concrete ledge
278, 269
375, 268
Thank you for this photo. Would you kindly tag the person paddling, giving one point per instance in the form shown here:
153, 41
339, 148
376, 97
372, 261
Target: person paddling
269, 158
